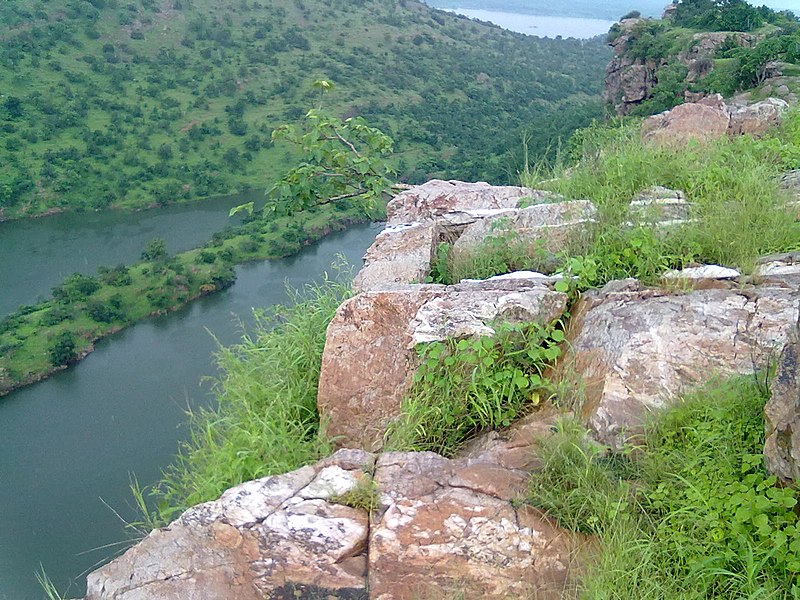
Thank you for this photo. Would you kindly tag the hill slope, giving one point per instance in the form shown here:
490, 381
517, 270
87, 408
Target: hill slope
130, 103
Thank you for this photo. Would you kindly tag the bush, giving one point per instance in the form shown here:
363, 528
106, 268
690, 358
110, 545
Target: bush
62, 350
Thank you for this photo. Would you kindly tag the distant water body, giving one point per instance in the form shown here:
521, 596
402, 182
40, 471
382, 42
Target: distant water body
541, 26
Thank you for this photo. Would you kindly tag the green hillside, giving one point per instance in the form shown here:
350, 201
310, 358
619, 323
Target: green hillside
115, 103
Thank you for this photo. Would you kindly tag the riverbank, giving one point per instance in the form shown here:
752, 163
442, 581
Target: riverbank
41, 339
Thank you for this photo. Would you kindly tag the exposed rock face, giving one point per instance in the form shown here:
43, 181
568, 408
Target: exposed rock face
400, 255
702, 121
269, 538
757, 118
782, 447
436, 198
450, 526
711, 118
638, 348
370, 357
630, 80
439, 523
543, 227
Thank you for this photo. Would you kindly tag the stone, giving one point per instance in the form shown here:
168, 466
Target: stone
367, 365
269, 538
400, 255
782, 415
544, 227
780, 268
703, 272
660, 205
370, 354
695, 121
438, 531
757, 118
638, 349
436, 198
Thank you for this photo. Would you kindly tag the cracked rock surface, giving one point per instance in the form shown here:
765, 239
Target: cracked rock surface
637, 349
440, 523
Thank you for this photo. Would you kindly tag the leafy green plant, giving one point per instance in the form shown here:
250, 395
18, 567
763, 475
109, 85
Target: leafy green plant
465, 386
691, 514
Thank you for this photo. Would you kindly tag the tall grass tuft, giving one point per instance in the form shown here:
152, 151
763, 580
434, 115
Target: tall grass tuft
738, 211
266, 420
690, 515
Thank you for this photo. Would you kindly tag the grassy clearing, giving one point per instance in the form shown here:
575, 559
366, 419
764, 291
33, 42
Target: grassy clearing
692, 514
266, 421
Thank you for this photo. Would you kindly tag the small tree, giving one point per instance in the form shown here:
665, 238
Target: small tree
342, 159
62, 351
155, 250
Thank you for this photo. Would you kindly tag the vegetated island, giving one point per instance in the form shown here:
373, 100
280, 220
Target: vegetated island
41, 339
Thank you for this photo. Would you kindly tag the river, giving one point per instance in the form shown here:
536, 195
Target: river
540, 25
38, 254
70, 444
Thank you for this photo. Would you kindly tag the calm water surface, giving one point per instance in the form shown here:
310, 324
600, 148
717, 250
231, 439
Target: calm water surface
70, 444
37, 254
538, 25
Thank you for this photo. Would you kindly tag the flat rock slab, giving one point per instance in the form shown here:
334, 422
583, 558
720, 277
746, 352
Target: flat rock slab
638, 349
545, 226
439, 523
270, 538
370, 353
439, 532
436, 198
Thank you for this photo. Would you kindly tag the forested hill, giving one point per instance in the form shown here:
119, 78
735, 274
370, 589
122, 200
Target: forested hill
135, 102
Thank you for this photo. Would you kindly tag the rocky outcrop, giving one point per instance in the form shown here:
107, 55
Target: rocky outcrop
782, 447
630, 80
370, 353
277, 537
438, 524
449, 527
710, 119
638, 348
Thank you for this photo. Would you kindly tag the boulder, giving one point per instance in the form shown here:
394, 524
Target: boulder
370, 354
276, 537
782, 413
400, 255
757, 118
436, 198
699, 121
438, 523
660, 205
543, 227
637, 348
450, 527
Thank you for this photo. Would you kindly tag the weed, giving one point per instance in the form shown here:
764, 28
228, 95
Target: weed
469, 385
691, 515
364, 496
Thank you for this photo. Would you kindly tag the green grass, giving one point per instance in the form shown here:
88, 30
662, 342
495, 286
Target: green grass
266, 421
690, 515
738, 213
